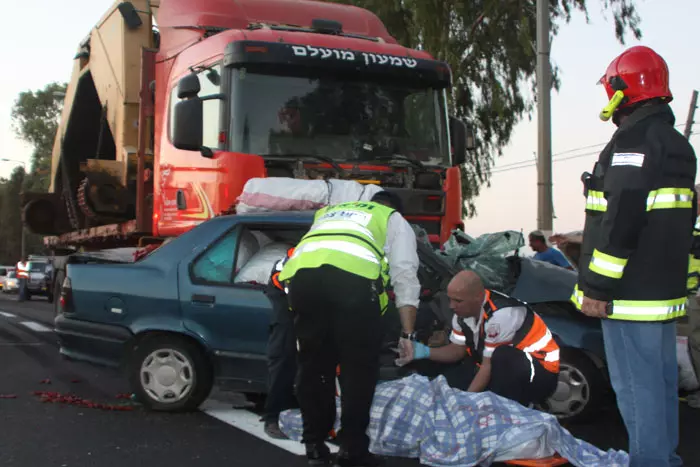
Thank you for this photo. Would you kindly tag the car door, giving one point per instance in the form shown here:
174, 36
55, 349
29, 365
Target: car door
233, 319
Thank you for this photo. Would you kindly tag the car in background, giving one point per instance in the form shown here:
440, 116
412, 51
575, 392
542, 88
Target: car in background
40, 271
4, 270
10, 283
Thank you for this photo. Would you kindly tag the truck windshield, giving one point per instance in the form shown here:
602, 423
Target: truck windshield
347, 120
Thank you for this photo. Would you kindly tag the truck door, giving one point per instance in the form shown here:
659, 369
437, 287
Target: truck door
233, 319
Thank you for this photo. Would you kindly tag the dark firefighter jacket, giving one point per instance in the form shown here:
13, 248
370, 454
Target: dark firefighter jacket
640, 213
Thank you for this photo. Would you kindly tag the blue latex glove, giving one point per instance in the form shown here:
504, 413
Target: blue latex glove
420, 351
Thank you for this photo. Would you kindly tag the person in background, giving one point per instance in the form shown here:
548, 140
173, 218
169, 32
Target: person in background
513, 353
694, 303
638, 232
281, 354
23, 277
337, 279
544, 253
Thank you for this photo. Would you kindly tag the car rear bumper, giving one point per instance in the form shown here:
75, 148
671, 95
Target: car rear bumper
103, 344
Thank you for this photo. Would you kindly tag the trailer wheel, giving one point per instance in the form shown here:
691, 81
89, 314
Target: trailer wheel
170, 374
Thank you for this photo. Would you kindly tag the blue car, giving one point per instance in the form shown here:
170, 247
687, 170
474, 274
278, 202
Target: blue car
193, 314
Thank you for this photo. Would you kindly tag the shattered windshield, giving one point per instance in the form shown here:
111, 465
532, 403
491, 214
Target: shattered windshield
345, 119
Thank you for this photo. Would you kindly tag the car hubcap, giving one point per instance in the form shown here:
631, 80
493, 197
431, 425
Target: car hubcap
572, 393
166, 375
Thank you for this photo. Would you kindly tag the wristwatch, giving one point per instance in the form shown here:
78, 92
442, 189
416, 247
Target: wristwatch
410, 336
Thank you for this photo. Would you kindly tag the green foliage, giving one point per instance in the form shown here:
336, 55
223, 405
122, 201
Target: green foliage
35, 117
10, 227
491, 48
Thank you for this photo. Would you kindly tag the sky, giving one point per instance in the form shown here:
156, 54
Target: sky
43, 37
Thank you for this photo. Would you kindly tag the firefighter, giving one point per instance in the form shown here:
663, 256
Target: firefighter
640, 212
515, 353
23, 277
281, 354
336, 282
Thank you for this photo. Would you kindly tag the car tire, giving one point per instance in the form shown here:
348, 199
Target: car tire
580, 391
184, 374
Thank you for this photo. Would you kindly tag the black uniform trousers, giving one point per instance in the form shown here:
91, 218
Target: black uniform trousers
281, 358
511, 375
337, 321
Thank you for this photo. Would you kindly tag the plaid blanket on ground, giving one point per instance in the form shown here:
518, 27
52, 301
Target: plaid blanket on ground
418, 418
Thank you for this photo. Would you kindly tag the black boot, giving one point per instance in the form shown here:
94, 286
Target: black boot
365, 460
318, 454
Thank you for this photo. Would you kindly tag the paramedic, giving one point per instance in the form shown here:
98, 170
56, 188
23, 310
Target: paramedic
545, 253
281, 354
336, 282
640, 212
516, 355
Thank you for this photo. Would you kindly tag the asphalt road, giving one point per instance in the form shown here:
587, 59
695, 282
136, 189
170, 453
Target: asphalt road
36, 431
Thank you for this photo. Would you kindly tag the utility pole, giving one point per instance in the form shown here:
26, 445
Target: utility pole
691, 115
544, 121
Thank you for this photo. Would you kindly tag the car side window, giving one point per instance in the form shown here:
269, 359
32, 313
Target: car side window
215, 266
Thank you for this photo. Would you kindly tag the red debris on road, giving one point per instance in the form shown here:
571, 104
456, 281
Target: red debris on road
8, 396
71, 399
45, 381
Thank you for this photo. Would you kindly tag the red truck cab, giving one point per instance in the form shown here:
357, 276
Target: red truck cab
306, 89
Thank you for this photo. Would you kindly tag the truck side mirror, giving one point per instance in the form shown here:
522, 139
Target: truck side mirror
188, 124
458, 137
188, 86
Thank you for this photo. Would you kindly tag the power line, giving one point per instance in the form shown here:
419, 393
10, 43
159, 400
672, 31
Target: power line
567, 151
526, 164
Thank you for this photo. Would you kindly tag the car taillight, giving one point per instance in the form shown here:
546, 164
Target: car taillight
66, 295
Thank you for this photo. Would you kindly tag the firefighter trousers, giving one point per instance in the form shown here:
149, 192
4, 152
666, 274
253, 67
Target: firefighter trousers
337, 321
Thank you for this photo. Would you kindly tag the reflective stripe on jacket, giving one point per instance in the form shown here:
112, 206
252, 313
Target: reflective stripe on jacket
640, 211
22, 270
349, 236
694, 263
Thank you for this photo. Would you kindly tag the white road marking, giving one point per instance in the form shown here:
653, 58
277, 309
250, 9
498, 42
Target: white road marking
20, 344
250, 423
7, 315
35, 326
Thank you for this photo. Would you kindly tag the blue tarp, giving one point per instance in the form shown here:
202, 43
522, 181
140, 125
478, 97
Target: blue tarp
418, 418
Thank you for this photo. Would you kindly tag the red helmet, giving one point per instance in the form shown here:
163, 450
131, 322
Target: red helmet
640, 73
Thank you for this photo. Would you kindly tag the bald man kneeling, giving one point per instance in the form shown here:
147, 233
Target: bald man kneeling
515, 354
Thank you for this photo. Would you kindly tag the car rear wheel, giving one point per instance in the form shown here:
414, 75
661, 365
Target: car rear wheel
170, 374
580, 390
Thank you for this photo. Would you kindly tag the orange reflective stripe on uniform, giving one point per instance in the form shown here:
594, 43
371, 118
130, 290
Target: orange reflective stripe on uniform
276, 282
540, 343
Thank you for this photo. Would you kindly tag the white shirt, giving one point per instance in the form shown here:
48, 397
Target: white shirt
500, 328
401, 252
